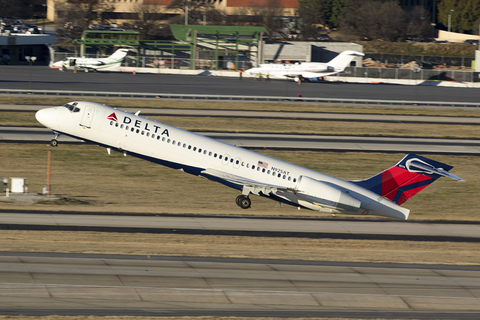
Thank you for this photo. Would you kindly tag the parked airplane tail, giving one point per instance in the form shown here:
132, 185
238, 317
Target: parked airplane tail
408, 177
342, 61
119, 54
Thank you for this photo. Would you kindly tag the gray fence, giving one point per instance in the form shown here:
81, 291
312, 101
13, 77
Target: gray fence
423, 61
414, 74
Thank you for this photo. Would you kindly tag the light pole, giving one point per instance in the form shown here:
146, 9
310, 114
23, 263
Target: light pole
30, 59
186, 12
449, 23
44, 17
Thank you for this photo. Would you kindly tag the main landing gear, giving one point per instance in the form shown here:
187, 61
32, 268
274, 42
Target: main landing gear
243, 202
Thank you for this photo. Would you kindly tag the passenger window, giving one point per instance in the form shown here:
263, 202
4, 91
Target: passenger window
278, 176
210, 153
138, 130
121, 126
268, 172
253, 167
143, 132
204, 151
237, 162
200, 150
189, 147
226, 158
220, 157
133, 129
231, 160
168, 141
184, 145
294, 180
263, 170
258, 168
194, 148
215, 155
163, 139
126, 127
289, 178
158, 137
173, 142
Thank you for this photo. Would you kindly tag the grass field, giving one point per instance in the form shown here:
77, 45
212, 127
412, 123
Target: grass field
232, 105
91, 180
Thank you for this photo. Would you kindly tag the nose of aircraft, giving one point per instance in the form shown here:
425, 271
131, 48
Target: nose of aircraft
45, 117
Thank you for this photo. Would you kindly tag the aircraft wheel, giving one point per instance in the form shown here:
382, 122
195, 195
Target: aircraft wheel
54, 143
86, 70
243, 202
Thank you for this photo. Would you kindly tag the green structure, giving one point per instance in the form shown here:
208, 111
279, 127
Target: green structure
212, 43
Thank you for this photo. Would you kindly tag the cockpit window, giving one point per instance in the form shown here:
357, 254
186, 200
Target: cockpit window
72, 106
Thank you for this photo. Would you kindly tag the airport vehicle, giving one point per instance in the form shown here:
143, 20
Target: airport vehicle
110, 63
247, 171
305, 70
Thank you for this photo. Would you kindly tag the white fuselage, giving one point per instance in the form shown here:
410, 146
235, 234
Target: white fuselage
286, 70
196, 154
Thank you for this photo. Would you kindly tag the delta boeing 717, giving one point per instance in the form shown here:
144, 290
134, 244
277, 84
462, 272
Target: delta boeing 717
247, 171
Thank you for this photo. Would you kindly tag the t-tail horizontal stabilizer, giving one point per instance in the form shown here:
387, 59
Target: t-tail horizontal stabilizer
408, 177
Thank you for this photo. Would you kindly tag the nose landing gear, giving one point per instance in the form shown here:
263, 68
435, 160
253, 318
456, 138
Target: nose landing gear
54, 141
243, 202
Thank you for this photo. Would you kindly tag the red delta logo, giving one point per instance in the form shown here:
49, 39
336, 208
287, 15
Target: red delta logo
113, 117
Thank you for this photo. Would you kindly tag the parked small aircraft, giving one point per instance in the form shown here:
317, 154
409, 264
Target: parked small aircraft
247, 171
110, 63
305, 70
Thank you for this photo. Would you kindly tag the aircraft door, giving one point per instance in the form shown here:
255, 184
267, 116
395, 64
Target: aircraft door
87, 116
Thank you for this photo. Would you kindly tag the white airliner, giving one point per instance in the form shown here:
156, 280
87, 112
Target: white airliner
241, 169
111, 63
305, 70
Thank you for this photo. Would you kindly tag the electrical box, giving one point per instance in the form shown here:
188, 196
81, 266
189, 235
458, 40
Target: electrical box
18, 185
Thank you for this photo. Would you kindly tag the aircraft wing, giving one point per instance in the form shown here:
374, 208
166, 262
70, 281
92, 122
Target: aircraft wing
308, 75
304, 74
253, 186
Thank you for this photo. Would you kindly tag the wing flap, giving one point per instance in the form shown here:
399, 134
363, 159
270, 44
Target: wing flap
249, 185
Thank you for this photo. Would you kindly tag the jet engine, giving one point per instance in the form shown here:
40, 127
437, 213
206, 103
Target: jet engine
321, 196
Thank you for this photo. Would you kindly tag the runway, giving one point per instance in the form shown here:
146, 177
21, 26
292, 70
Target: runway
241, 225
70, 284
289, 141
45, 78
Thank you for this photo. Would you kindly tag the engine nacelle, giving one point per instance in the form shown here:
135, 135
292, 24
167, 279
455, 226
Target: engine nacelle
318, 195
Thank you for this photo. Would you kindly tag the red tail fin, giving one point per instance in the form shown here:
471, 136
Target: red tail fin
408, 177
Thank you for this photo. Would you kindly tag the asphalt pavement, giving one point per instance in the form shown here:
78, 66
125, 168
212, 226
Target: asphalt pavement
45, 78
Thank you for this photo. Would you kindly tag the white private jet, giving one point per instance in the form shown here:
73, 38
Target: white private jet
111, 63
241, 169
305, 70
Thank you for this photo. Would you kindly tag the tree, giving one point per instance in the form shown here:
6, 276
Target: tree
84, 12
148, 22
311, 12
463, 17
16, 9
267, 14
375, 20
418, 24
196, 9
